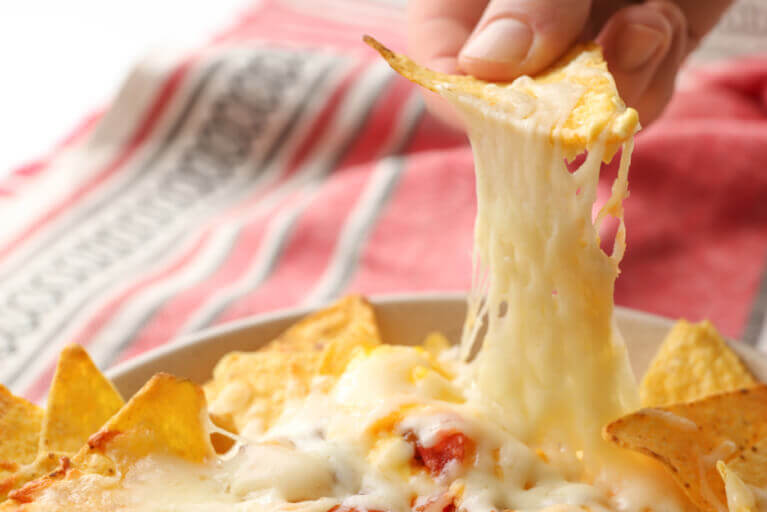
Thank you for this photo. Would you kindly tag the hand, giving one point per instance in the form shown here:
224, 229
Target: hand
644, 42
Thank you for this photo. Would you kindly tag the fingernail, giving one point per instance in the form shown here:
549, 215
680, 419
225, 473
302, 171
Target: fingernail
503, 40
636, 46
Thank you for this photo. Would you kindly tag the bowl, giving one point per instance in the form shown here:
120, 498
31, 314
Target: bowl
403, 319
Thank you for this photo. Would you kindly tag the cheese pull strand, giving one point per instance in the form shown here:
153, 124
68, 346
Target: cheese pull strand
551, 360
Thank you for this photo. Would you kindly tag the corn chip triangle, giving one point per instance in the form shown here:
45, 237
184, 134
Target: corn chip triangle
692, 438
80, 401
20, 422
167, 418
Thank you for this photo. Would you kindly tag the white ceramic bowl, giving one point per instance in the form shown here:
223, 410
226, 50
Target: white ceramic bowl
403, 319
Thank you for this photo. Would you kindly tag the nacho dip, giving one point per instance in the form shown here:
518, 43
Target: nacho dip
536, 408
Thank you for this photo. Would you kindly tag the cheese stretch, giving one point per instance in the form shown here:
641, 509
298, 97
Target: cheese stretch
508, 421
551, 358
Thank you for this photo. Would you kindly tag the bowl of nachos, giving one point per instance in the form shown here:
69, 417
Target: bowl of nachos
533, 392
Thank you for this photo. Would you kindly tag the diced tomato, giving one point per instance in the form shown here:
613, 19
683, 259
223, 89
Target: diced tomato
450, 446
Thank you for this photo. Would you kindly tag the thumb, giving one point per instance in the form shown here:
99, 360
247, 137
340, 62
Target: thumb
516, 37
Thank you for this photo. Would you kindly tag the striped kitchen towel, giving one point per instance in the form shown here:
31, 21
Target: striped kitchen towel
284, 164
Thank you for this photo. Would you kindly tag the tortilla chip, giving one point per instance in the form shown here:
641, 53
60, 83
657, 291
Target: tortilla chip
167, 416
693, 362
598, 109
80, 401
252, 387
44, 464
20, 423
345, 326
751, 464
689, 439
55, 470
350, 320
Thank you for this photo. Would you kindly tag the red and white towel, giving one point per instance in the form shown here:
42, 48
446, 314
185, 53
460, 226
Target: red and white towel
285, 163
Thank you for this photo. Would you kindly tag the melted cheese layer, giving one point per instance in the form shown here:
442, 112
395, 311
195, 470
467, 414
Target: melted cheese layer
379, 440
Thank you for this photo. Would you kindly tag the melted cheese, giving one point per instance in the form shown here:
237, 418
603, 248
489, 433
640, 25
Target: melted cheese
353, 447
551, 360
740, 497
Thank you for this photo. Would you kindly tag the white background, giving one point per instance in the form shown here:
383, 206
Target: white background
60, 60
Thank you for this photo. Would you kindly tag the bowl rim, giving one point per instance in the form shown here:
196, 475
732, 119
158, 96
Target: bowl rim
205, 335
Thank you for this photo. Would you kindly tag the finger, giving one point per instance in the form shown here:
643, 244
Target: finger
701, 16
436, 104
437, 30
601, 11
516, 37
656, 96
636, 40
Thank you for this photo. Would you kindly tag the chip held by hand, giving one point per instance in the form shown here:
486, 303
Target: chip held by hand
597, 112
